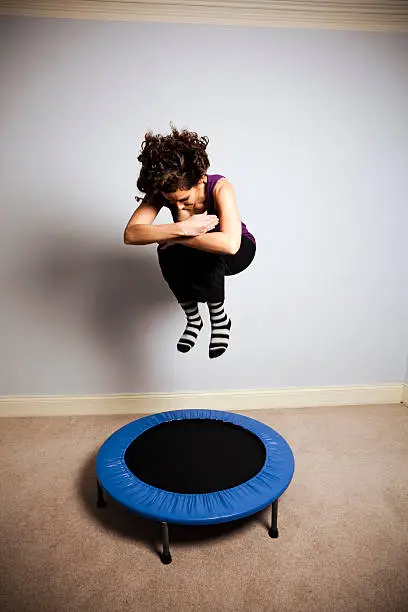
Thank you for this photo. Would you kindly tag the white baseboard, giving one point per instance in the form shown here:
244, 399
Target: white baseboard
381, 15
253, 399
405, 394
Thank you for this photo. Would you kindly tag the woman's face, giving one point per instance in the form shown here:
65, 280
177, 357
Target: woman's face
186, 199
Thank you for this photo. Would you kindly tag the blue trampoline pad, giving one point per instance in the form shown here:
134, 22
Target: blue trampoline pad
195, 467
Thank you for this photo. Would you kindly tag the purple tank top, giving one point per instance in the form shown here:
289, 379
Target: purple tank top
212, 180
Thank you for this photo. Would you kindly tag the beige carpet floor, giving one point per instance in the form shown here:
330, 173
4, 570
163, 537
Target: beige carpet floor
343, 525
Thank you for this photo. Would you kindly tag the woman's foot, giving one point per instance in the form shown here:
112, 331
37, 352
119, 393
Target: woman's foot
220, 329
193, 327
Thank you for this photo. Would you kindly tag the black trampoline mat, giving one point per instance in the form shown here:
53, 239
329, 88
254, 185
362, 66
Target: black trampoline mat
195, 456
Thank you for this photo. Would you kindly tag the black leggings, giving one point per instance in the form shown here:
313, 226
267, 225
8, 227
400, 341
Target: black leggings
198, 276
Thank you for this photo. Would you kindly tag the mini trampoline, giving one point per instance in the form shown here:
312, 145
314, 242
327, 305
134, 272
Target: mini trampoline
195, 467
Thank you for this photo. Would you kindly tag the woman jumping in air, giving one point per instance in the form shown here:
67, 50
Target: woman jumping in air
207, 239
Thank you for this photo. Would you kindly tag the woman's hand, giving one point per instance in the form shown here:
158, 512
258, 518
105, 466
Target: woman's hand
199, 224
196, 225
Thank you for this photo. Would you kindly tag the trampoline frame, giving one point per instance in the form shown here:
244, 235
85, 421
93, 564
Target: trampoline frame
165, 555
111, 457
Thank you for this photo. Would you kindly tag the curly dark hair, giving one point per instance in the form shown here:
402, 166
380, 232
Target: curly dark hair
175, 161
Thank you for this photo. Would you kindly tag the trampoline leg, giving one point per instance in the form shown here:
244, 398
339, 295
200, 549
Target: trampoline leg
101, 503
165, 556
273, 532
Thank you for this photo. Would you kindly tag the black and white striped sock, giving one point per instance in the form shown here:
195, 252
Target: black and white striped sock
193, 327
220, 329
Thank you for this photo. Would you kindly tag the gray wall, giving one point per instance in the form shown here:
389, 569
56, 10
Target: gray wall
311, 127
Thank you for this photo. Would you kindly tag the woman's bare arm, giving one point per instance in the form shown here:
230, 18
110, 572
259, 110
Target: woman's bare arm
140, 228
